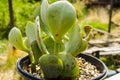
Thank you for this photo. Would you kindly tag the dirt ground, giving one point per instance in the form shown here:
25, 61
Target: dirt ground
8, 64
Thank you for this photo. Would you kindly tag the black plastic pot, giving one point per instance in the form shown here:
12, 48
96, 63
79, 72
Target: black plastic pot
99, 64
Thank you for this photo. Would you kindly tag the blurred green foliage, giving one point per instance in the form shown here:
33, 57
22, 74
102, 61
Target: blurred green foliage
23, 12
4, 18
96, 25
86, 18
3, 46
26, 10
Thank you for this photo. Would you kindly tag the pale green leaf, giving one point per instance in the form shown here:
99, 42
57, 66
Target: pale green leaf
38, 35
60, 17
15, 38
41, 12
36, 51
30, 31
44, 7
75, 41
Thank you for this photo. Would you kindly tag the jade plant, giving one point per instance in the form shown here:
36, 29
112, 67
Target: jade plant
53, 40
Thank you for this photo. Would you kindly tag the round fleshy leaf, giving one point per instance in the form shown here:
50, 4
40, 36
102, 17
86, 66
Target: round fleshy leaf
51, 66
44, 7
15, 38
60, 18
70, 67
30, 31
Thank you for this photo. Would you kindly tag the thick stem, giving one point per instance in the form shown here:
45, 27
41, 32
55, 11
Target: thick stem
56, 48
32, 62
31, 57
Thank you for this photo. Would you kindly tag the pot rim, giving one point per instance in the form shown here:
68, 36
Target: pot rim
22, 72
30, 76
104, 72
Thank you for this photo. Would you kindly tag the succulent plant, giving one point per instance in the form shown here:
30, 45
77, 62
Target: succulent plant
56, 42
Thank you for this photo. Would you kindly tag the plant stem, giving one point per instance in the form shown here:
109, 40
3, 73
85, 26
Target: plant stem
56, 48
32, 61
31, 57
